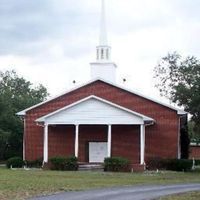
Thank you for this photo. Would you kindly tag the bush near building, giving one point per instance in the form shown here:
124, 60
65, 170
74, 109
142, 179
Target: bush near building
116, 164
15, 162
170, 164
64, 163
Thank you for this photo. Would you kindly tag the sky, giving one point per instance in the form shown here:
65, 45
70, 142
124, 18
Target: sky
52, 42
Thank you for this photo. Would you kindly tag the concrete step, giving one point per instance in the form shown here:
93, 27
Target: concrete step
91, 167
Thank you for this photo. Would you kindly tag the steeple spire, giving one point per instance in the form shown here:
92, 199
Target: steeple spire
103, 50
103, 40
103, 68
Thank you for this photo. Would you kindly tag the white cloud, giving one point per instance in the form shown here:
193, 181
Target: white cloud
54, 42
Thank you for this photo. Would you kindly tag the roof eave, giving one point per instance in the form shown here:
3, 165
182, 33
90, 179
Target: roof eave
181, 112
21, 113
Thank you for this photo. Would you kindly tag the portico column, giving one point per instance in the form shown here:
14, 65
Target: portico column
109, 140
142, 143
76, 140
46, 143
24, 140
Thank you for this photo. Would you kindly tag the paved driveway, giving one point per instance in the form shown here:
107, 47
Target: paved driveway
124, 193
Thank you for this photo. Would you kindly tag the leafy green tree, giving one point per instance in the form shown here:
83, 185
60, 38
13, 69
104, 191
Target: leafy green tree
178, 79
4, 138
195, 138
16, 94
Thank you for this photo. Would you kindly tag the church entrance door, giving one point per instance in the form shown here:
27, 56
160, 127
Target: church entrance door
97, 151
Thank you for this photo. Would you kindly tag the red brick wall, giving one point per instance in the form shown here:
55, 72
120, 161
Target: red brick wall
126, 142
33, 135
161, 139
61, 140
90, 134
195, 152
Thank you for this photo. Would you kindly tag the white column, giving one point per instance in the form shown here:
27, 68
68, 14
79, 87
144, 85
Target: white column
76, 140
46, 143
142, 143
109, 140
24, 139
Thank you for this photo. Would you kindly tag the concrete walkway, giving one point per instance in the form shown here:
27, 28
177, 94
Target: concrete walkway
124, 193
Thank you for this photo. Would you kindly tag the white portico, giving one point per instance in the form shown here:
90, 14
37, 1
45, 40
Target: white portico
95, 111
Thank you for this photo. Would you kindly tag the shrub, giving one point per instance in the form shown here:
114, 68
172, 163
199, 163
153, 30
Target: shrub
64, 163
197, 162
72, 163
170, 164
116, 164
178, 165
58, 163
35, 163
15, 162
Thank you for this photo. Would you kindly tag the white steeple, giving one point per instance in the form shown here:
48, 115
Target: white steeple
103, 40
103, 67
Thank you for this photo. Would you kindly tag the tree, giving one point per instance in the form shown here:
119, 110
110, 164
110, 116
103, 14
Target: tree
178, 79
4, 137
195, 138
16, 94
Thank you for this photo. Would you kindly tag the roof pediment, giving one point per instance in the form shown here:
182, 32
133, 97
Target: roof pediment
94, 110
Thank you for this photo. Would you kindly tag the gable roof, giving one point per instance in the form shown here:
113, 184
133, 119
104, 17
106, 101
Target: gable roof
92, 108
179, 111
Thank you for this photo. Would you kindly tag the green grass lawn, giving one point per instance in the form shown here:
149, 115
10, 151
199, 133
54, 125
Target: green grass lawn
21, 184
188, 196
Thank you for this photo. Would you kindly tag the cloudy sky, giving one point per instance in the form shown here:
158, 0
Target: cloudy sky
53, 41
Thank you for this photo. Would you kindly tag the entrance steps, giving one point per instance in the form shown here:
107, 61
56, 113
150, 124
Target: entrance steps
91, 167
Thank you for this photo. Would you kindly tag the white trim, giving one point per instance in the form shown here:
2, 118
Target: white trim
24, 140
76, 140
142, 144
145, 118
179, 111
193, 144
109, 140
45, 143
103, 63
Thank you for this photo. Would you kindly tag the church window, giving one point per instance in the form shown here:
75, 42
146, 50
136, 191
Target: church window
102, 54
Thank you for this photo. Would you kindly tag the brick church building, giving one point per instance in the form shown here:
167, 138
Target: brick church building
102, 119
